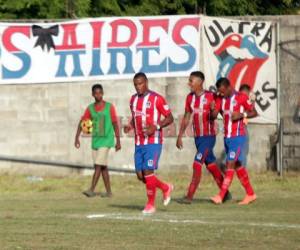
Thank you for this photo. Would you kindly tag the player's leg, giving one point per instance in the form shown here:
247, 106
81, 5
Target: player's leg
197, 168
151, 191
138, 162
145, 177
152, 156
91, 191
106, 180
102, 160
210, 162
242, 174
97, 172
231, 151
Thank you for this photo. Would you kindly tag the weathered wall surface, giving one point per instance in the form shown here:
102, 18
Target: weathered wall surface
39, 121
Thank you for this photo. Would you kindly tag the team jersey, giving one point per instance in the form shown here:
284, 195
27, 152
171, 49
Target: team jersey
99, 108
147, 110
199, 107
237, 102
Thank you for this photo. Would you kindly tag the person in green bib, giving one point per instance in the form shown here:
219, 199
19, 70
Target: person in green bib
105, 135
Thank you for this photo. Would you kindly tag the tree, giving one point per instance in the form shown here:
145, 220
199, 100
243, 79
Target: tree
57, 9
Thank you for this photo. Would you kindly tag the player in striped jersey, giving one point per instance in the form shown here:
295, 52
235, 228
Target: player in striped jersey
147, 109
197, 106
234, 107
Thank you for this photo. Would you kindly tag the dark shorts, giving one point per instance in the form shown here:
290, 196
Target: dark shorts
146, 157
205, 146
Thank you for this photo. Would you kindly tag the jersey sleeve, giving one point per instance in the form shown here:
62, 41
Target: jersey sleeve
86, 115
113, 114
188, 104
246, 102
162, 106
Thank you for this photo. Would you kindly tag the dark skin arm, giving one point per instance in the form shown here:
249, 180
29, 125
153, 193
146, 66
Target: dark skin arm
128, 127
117, 135
77, 141
237, 115
150, 129
183, 126
213, 111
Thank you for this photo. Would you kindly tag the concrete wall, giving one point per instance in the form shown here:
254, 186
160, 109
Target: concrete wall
39, 121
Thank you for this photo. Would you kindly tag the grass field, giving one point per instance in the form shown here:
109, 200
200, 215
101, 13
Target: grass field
52, 214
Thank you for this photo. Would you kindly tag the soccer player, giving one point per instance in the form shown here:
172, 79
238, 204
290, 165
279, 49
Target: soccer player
197, 106
244, 88
105, 131
230, 104
147, 107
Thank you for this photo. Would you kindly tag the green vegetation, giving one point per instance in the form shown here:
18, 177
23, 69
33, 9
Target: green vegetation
34, 9
52, 215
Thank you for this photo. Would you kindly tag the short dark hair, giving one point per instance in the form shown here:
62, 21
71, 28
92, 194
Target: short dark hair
97, 86
198, 74
223, 81
245, 87
140, 74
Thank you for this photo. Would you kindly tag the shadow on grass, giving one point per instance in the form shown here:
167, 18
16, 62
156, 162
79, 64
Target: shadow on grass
198, 200
129, 207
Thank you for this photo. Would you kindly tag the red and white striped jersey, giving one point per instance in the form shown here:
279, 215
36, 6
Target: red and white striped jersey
147, 110
237, 102
199, 107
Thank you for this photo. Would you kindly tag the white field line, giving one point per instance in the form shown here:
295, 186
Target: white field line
120, 216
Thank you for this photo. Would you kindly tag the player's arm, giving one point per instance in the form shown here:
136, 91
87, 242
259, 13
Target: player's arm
250, 111
86, 116
128, 127
164, 109
184, 123
78, 132
215, 107
166, 121
115, 124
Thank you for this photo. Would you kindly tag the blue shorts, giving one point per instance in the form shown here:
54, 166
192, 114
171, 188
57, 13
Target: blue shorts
235, 148
205, 146
146, 157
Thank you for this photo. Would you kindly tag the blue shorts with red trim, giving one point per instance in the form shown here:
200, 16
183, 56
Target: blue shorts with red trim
205, 146
235, 148
146, 157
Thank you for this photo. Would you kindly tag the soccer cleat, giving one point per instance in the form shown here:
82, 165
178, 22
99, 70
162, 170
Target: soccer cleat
89, 193
185, 200
167, 195
149, 209
105, 195
216, 199
227, 197
248, 199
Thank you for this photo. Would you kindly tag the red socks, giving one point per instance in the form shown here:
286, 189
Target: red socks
161, 185
197, 169
152, 182
227, 182
244, 179
216, 173
151, 188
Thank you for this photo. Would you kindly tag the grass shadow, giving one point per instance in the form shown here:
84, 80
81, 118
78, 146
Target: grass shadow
129, 207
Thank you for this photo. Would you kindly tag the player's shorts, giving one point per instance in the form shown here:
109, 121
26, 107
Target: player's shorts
100, 156
235, 148
205, 146
146, 157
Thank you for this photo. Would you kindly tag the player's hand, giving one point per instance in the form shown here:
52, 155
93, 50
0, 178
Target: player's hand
118, 145
150, 129
77, 143
212, 106
126, 129
252, 97
179, 143
236, 116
